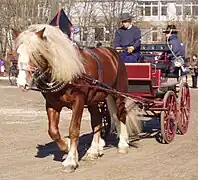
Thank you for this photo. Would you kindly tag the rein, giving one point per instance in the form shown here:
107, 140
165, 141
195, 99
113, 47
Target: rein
96, 84
45, 87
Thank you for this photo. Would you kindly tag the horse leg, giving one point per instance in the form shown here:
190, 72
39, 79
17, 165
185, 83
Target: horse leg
96, 149
118, 113
71, 162
53, 130
129, 121
123, 145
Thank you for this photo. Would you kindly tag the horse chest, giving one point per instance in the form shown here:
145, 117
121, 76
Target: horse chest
60, 99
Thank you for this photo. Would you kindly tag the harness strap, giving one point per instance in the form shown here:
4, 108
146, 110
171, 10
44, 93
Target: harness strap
95, 57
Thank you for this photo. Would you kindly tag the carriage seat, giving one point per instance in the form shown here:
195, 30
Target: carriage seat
140, 78
151, 58
159, 65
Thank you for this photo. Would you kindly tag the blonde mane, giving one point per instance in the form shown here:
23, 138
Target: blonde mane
63, 58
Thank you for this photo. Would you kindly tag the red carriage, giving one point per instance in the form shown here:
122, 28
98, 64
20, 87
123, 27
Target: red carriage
163, 95
159, 93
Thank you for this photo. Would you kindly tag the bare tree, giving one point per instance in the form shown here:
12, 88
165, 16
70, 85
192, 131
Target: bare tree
83, 13
110, 12
189, 28
19, 14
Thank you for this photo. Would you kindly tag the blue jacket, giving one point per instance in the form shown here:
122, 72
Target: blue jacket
177, 47
128, 37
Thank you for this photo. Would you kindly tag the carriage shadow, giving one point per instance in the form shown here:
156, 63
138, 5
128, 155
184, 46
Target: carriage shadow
151, 130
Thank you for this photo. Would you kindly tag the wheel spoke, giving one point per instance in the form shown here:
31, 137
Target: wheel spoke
169, 117
184, 104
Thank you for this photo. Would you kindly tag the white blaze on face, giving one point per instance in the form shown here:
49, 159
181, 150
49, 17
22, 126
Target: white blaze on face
23, 60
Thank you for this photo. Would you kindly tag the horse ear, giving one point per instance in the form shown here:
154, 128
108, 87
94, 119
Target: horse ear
15, 33
40, 33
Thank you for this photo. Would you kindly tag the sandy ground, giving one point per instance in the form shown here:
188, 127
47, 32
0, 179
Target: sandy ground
28, 153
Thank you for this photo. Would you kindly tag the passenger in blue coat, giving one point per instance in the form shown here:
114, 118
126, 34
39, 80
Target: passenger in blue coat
127, 39
177, 47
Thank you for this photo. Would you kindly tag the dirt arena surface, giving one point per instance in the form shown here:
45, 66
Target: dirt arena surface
28, 153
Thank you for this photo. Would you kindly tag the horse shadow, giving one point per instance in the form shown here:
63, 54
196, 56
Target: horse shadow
51, 148
151, 129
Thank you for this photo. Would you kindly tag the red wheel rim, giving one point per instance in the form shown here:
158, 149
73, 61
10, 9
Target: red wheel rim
169, 117
184, 106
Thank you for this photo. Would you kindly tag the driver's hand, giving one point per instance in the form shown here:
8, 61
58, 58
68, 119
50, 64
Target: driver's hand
119, 49
130, 49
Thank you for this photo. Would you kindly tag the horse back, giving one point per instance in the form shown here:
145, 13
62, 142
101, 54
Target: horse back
105, 64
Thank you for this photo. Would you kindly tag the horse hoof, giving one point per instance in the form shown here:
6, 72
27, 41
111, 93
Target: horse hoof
69, 168
123, 150
90, 157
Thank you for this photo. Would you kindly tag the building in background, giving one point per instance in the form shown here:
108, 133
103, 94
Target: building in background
98, 19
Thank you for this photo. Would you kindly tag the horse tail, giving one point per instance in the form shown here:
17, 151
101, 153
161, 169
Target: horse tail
133, 116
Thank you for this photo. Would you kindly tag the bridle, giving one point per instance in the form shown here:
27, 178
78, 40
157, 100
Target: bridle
40, 79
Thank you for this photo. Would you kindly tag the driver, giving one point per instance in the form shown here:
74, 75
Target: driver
127, 39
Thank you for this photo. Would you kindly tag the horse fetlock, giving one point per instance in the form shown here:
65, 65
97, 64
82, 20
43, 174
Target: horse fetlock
91, 156
70, 164
63, 147
70, 168
68, 141
94, 152
101, 143
123, 150
54, 134
123, 147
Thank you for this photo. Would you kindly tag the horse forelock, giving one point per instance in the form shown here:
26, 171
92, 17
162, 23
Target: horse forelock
63, 58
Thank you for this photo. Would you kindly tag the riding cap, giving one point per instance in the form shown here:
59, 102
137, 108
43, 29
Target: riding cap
125, 17
170, 28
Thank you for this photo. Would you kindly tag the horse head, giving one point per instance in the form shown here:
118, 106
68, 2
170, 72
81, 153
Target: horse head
27, 66
46, 48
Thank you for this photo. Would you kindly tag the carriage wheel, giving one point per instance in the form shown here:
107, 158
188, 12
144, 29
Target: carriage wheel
13, 73
169, 117
184, 108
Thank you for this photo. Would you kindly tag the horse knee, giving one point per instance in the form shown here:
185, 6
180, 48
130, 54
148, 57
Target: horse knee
54, 134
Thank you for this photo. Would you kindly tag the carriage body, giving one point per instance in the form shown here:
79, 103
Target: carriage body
147, 77
160, 94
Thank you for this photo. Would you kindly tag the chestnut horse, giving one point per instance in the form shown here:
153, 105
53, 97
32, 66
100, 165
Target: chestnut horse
47, 49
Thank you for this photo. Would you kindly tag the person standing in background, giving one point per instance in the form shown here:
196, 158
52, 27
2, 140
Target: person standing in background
194, 70
2, 67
